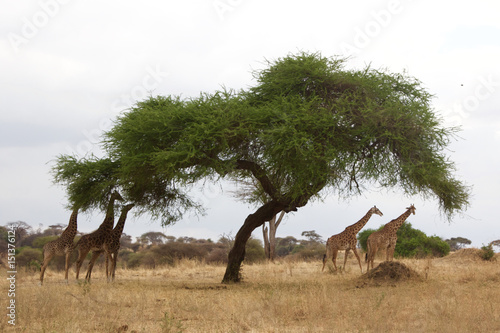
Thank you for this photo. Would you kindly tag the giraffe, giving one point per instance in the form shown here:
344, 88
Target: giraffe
346, 240
112, 243
386, 238
60, 246
95, 240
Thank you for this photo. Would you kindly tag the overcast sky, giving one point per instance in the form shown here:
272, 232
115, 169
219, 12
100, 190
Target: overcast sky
69, 67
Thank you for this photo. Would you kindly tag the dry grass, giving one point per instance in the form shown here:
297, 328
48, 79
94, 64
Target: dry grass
449, 295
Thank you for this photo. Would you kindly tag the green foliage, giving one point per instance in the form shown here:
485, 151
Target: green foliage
39, 242
307, 124
487, 252
254, 251
89, 182
412, 243
134, 259
285, 246
28, 257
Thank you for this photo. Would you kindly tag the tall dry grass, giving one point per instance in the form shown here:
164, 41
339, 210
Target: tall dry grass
454, 294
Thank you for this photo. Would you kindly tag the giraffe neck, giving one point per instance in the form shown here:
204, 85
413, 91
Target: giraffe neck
107, 224
361, 223
121, 222
400, 220
70, 230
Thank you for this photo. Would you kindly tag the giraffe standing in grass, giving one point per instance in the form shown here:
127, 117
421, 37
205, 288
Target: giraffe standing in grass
94, 241
112, 245
386, 237
61, 246
347, 240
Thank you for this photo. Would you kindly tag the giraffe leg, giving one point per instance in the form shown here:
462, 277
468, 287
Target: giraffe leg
368, 254
107, 263
82, 253
68, 254
357, 257
95, 255
48, 255
346, 253
115, 258
390, 252
326, 256
372, 250
334, 258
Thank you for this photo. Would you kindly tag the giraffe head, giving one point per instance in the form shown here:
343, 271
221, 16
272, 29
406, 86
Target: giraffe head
128, 207
375, 210
412, 209
116, 196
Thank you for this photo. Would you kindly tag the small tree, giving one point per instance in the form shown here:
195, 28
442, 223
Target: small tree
312, 236
153, 238
286, 245
457, 243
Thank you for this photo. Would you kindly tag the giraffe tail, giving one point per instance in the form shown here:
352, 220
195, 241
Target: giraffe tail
366, 256
324, 258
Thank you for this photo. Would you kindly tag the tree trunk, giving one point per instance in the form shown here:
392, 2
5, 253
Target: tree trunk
266, 240
237, 253
272, 234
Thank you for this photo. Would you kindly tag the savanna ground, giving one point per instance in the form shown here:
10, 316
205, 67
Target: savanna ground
458, 293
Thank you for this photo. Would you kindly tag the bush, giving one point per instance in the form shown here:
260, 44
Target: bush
487, 252
134, 259
41, 241
29, 258
217, 256
254, 251
314, 251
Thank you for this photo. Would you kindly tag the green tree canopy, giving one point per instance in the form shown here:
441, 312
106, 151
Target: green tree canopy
307, 125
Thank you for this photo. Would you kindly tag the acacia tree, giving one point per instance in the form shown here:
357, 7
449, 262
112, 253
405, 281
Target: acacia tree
307, 125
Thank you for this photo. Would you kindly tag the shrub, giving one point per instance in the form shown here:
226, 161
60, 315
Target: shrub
41, 241
487, 252
29, 257
254, 251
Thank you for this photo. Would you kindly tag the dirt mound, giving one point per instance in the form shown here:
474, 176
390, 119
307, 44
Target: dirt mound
391, 271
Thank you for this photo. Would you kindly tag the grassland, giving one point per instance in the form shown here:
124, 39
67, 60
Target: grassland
458, 293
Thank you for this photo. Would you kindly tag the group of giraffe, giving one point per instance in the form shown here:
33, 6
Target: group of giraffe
103, 240
383, 239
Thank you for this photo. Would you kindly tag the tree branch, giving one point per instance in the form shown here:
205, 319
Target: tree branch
259, 173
